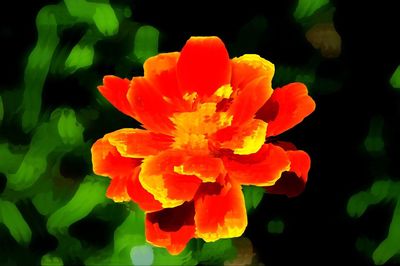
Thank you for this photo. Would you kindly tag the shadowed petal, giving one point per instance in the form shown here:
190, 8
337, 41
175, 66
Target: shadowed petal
171, 228
220, 215
287, 107
261, 169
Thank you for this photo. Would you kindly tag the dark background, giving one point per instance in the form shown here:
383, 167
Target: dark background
318, 229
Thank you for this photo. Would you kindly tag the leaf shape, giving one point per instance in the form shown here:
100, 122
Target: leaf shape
11, 217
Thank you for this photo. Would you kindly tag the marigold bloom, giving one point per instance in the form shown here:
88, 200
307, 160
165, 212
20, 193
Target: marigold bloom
208, 122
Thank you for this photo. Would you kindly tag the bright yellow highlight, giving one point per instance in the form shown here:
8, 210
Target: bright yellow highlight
193, 128
252, 143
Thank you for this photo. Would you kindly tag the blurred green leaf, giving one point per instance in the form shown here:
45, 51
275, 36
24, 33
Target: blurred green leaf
11, 217
252, 196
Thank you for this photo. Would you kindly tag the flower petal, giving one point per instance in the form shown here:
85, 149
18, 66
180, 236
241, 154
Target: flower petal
246, 139
115, 90
249, 67
287, 107
261, 169
138, 194
151, 108
160, 72
249, 100
138, 143
107, 161
220, 215
292, 182
204, 167
203, 66
171, 228
158, 178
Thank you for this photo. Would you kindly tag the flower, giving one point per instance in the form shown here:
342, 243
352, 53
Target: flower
208, 123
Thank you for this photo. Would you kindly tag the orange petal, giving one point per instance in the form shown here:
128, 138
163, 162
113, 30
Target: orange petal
249, 67
138, 143
287, 107
204, 167
115, 90
249, 100
108, 162
152, 109
292, 183
160, 72
138, 194
171, 228
261, 169
203, 66
220, 215
246, 139
159, 178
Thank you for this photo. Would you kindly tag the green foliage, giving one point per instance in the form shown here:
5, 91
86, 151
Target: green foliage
11, 217
146, 43
374, 143
395, 78
306, 8
275, 226
252, 196
216, 253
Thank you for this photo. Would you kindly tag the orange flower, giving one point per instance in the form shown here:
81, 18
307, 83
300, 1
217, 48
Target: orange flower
208, 122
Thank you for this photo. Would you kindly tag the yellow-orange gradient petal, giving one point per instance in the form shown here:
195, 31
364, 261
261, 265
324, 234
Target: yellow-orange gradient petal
293, 182
152, 108
115, 90
249, 67
220, 215
263, 168
203, 66
107, 161
159, 178
138, 194
249, 100
171, 228
138, 143
203, 166
243, 140
287, 107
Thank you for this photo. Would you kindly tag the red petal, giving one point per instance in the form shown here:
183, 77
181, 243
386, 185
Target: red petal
138, 143
151, 109
220, 215
249, 67
261, 169
158, 177
160, 72
287, 107
171, 228
203, 66
249, 100
108, 162
115, 90
138, 194
292, 183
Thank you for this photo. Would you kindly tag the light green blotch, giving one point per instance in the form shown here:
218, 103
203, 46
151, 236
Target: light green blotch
253, 196
49, 260
395, 78
275, 226
306, 8
91, 192
374, 143
142, 255
69, 129
11, 217
146, 43
81, 56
